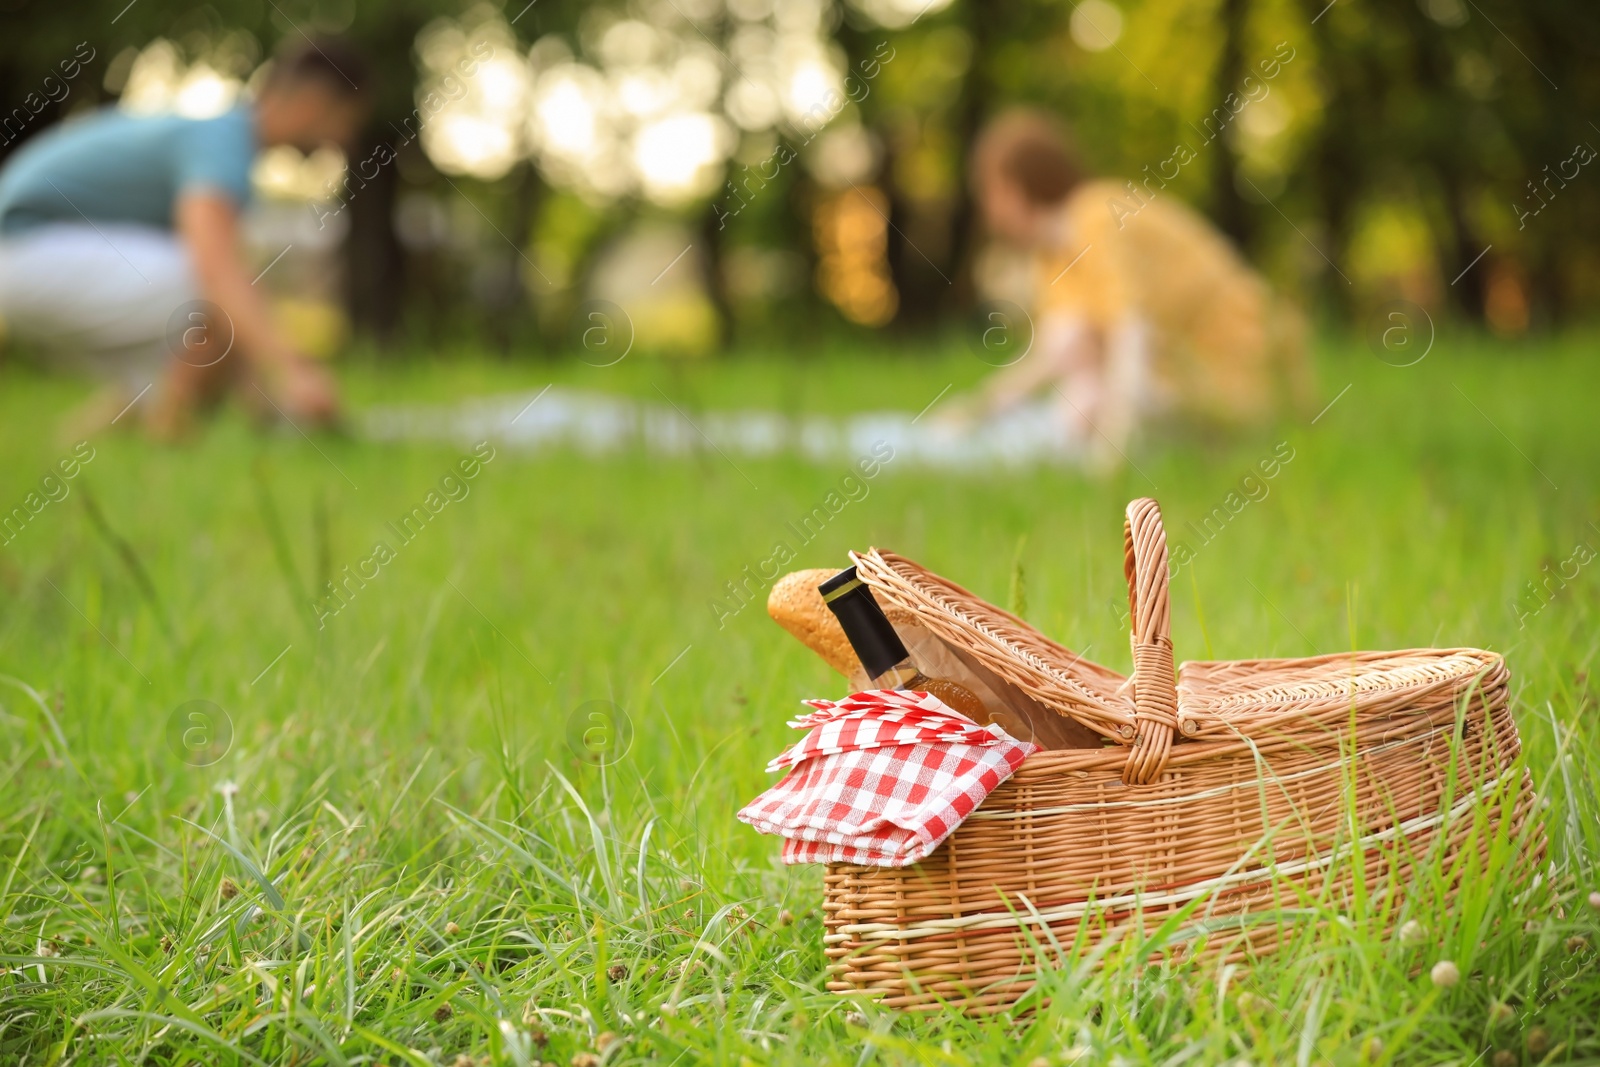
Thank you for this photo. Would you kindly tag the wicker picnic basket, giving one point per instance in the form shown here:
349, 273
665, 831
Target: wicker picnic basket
1228, 795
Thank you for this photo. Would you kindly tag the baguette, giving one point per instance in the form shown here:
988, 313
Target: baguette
795, 604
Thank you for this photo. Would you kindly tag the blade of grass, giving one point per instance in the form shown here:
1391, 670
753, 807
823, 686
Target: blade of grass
282, 555
130, 561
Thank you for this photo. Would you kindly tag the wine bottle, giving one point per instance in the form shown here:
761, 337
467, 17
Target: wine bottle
881, 652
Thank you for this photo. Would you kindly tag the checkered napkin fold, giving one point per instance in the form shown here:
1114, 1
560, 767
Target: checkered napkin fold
881, 779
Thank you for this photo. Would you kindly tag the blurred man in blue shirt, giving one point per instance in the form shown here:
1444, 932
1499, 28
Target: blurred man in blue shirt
120, 244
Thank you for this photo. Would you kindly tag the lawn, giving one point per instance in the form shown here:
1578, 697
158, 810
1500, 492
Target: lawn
378, 840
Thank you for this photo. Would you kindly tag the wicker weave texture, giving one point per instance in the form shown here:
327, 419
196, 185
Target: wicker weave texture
1225, 794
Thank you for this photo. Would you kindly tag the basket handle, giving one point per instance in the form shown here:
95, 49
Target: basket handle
1155, 681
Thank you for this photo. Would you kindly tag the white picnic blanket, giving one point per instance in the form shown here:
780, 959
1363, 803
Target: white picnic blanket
557, 417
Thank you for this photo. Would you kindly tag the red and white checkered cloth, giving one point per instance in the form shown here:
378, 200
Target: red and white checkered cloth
881, 718
882, 779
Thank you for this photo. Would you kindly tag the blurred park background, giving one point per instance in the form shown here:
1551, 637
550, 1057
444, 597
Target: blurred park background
394, 842
742, 174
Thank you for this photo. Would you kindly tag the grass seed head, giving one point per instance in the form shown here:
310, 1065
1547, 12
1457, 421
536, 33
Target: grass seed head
1577, 943
1371, 1049
1538, 1041
451, 929
1594, 900
443, 1013
785, 917
1501, 1013
531, 1020
585, 1059
1504, 1058
229, 889
1249, 1003
1445, 974
1412, 932
1039, 1061
617, 972
605, 1041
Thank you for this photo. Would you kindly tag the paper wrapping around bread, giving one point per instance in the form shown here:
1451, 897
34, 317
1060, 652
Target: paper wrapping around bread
795, 604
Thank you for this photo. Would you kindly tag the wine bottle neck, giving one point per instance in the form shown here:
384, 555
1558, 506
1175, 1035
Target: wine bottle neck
872, 637
903, 675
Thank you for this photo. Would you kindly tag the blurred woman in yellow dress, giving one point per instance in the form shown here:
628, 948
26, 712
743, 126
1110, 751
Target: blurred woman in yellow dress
1141, 309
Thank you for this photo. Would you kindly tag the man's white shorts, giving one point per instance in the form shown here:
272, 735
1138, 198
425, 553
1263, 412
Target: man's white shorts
97, 297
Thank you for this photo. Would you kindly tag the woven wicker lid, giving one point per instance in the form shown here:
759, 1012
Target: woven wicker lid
1252, 698
1271, 701
1222, 698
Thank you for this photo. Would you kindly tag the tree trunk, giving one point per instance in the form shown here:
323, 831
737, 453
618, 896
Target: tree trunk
1335, 163
716, 277
977, 95
375, 273
1228, 208
519, 323
910, 272
1468, 291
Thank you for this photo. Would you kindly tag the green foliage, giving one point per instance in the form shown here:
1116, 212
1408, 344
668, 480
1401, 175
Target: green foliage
1400, 142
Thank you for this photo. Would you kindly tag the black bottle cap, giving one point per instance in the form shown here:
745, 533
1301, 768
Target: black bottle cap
876, 644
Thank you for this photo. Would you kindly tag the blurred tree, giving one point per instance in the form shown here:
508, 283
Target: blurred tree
1468, 117
1463, 103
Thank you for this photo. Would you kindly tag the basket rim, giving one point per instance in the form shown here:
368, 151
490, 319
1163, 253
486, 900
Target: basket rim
1245, 701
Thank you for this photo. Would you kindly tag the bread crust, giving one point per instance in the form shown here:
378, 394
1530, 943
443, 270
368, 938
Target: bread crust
795, 604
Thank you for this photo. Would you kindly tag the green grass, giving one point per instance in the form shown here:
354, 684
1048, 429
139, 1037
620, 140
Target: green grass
399, 857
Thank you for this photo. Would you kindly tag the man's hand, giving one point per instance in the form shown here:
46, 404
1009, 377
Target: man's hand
297, 389
300, 388
307, 392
